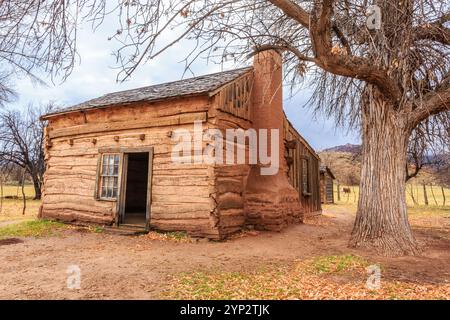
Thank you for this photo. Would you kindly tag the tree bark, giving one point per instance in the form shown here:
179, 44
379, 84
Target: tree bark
381, 220
37, 189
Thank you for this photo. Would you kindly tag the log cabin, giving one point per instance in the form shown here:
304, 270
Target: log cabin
326, 185
108, 160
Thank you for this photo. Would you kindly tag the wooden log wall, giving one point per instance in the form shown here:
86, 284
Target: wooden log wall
180, 192
311, 202
229, 180
204, 200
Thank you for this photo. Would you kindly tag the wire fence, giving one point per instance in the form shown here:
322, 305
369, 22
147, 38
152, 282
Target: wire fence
416, 195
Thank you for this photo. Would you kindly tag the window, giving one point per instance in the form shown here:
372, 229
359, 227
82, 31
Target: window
305, 177
109, 176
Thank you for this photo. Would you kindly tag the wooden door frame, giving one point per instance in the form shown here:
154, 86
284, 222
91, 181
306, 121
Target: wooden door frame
124, 152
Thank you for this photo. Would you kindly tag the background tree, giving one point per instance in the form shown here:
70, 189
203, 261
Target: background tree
428, 145
21, 143
36, 36
384, 69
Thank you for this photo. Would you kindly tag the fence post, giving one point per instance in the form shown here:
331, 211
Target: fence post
23, 193
432, 193
425, 196
443, 195
338, 191
412, 194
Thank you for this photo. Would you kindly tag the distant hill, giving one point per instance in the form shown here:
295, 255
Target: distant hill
345, 163
347, 148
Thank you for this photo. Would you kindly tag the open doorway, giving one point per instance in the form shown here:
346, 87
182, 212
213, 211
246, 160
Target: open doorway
136, 190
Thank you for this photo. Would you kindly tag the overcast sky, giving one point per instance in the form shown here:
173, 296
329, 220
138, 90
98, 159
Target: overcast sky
95, 74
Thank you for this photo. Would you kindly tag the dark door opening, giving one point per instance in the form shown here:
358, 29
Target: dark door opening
136, 194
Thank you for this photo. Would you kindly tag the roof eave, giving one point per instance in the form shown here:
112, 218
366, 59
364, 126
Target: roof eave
83, 110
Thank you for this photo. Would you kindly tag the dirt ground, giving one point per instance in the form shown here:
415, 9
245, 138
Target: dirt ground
125, 267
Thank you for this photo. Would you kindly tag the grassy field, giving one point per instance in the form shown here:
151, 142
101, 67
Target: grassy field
11, 209
32, 228
435, 204
16, 191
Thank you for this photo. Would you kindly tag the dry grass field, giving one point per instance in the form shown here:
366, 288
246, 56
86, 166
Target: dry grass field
11, 209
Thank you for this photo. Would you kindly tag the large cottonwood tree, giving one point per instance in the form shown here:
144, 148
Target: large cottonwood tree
387, 73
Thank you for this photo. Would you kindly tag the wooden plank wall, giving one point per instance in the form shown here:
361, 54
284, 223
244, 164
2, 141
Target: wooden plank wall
329, 189
326, 188
180, 192
236, 97
311, 203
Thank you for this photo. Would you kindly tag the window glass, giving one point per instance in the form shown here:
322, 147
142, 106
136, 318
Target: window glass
109, 176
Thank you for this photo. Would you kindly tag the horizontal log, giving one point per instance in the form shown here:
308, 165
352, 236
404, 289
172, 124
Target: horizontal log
175, 172
229, 185
182, 215
230, 201
127, 125
134, 111
231, 170
73, 161
186, 180
57, 175
179, 199
232, 221
232, 213
73, 216
191, 191
85, 209
182, 224
180, 208
87, 200
59, 187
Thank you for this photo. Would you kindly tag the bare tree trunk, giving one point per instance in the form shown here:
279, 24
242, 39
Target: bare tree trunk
381, 220
443, 195
425, 196
37, 189
23, 194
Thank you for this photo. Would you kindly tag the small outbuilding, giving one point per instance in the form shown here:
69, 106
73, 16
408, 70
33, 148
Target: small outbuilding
110, 161
326, 185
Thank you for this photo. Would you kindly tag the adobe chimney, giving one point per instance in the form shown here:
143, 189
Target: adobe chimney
270, 200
